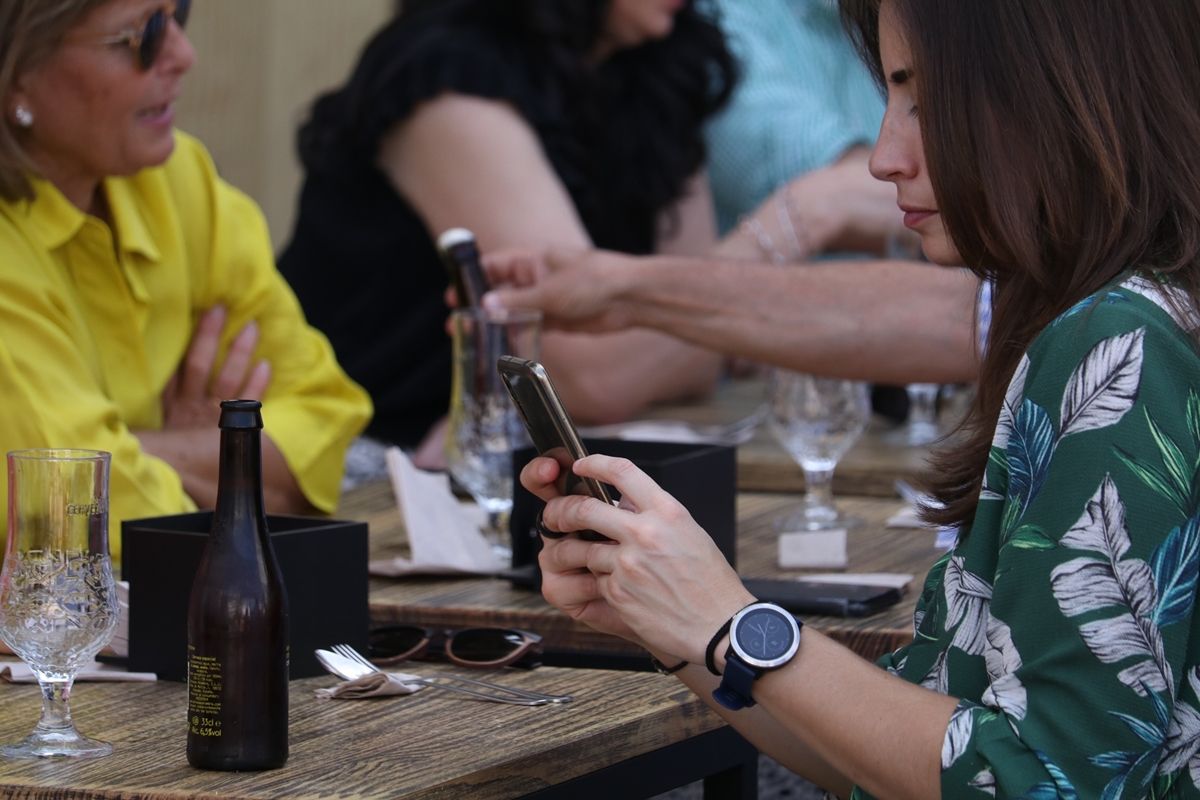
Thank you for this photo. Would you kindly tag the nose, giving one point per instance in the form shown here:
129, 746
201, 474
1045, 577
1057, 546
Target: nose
177, 55
892, 158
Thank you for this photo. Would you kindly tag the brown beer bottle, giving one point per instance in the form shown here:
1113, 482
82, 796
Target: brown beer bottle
237, 617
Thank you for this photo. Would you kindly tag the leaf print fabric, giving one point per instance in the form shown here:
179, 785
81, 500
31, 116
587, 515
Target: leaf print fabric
1065, 620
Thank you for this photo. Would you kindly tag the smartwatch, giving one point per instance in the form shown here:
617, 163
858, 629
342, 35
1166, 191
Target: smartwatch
762, 637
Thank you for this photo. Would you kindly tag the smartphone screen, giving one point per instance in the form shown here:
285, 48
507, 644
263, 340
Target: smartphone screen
550, 428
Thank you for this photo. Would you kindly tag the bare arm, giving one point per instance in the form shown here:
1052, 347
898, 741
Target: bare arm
827, 714
195, 455
190, 440
886, 321
469, 162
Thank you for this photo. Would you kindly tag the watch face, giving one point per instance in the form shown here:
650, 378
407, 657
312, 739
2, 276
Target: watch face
765, 636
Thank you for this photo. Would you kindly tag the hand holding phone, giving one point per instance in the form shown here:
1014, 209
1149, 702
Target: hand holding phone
550, 427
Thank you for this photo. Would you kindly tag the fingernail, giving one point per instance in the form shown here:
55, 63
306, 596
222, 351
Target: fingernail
491, 302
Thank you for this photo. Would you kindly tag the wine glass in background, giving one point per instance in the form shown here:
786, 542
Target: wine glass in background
920, 425
483, 427
817, 420
58, 602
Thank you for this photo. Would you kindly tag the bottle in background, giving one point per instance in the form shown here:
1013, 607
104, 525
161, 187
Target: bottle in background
460, 255
238, 618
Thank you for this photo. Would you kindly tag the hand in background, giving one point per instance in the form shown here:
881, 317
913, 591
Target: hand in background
192, 397
661, 581
576, 290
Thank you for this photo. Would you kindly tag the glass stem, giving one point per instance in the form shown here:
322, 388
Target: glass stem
818, 488
56, 713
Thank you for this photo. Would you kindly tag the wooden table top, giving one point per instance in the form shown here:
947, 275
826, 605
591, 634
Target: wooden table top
464, 602
870, 468
428, 745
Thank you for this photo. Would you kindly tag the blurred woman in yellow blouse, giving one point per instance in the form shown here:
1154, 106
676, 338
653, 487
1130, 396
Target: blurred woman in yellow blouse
137, 289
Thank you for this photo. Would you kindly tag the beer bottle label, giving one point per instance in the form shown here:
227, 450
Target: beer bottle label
204, 694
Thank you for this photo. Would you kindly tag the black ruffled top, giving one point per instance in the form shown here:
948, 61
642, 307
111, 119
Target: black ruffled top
360, 260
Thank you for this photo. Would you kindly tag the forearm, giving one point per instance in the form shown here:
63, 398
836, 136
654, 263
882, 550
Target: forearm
881, 321
839, 721
195, 455
767, 735
611, 377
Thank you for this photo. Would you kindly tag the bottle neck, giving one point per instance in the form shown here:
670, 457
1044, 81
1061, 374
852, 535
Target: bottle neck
239, 488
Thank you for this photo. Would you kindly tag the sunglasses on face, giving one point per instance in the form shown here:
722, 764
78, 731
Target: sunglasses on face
147, 43
468, 647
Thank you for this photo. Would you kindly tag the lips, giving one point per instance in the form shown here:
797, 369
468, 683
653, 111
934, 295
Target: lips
914, 216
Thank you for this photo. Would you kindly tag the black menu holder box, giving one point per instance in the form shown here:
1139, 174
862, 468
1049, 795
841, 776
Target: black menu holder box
324, 566
702, 477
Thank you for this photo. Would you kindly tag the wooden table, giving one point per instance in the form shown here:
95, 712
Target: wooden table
465, 602
870, 468
626, 735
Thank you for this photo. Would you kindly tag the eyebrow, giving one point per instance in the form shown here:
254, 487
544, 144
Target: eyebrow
900, 76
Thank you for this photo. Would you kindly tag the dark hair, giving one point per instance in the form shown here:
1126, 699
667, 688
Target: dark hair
1061, 139
643, 108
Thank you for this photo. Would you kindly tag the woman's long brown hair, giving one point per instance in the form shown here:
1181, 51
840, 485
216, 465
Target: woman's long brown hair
1062, 138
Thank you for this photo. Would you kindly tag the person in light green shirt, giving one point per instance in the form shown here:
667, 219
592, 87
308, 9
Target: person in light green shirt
137, 288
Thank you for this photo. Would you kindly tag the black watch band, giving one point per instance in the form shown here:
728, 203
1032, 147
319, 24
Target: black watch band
737, 684
746, 662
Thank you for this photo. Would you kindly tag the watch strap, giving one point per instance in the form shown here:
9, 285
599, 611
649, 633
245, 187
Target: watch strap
737, 684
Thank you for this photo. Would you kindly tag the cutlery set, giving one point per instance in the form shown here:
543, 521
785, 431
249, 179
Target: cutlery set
348, 664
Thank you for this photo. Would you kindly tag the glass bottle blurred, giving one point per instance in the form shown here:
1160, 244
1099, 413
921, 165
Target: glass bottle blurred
238, 617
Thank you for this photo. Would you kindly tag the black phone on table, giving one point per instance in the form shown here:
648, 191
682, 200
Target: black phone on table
830, 599
550, 427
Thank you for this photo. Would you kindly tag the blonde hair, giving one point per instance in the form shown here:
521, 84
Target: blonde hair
30, 31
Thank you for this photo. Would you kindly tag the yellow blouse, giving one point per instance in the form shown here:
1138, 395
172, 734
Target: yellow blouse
95, 320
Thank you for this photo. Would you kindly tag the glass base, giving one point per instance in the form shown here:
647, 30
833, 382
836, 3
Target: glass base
815, 518
60, 743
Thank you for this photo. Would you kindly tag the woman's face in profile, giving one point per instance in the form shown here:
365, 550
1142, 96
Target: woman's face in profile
96, 112
899, 155
634, 22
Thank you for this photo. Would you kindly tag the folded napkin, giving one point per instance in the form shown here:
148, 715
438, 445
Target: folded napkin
20, 672
443, 533
374, 684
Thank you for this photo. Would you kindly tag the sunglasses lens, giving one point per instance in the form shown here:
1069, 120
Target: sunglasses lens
485, 644
152, 38
182, 9
394, 641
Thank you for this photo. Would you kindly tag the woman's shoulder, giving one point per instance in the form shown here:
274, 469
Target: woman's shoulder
1131, 304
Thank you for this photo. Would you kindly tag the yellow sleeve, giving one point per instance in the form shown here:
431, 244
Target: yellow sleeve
311, 410
52, 396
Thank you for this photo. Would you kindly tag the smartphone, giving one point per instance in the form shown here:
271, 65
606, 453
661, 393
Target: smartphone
460, 255
550, 427
830, 599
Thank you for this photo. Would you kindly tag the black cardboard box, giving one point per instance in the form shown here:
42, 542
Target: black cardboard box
703, 477
324, 566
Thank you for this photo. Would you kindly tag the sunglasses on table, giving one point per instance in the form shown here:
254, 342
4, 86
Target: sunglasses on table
147, 43
466, 647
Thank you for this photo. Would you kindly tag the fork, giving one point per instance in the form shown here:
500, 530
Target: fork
503, 694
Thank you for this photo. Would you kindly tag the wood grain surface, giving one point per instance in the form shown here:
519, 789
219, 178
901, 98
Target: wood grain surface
871, 467
431, 745
463, 602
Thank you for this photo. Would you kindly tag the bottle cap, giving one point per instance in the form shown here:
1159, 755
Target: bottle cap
454, 237
241, 414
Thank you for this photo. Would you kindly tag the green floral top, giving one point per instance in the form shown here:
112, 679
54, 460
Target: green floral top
1066, 620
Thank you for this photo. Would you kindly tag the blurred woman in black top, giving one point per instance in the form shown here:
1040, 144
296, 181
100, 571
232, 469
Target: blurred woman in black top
533, 123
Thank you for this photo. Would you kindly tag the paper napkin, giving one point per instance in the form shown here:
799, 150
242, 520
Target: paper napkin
373, 684
20, 672
443, 533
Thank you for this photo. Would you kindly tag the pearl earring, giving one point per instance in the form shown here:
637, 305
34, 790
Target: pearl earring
24, 116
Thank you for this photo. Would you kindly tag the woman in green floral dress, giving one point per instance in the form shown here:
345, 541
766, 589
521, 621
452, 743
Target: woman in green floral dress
1054, 147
